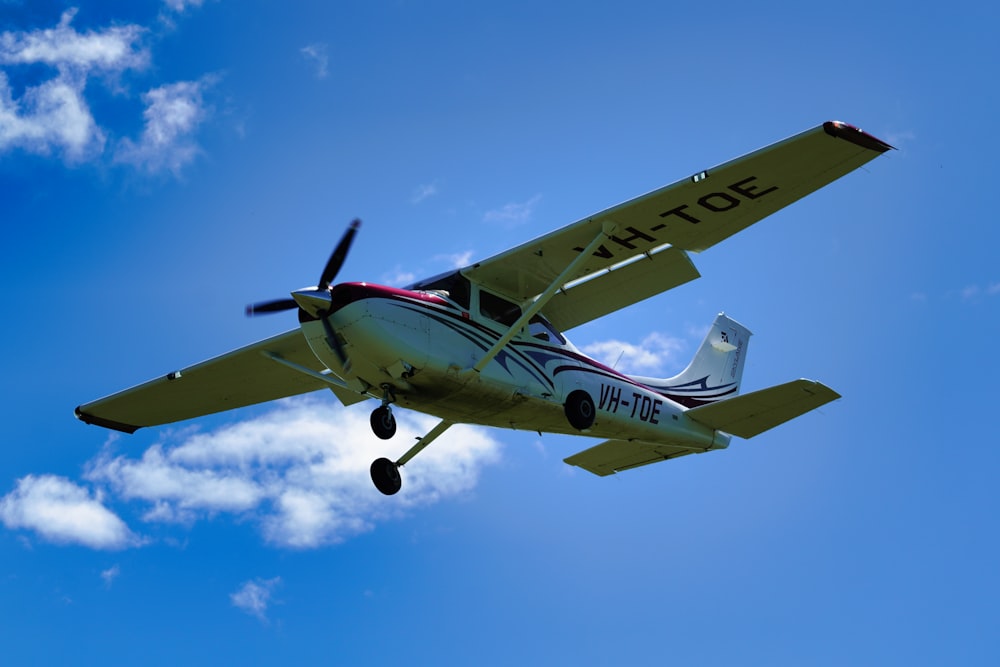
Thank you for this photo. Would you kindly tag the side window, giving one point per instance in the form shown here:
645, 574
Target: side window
497, 309
542, 329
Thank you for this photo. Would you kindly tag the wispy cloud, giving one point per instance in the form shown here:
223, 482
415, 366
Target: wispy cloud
646, 357
422, 192
317, 55
53, 115
180, 5
398, 277
109, 575
456, 260
113, 49
63, 512
513, 213
254, 597
172, 114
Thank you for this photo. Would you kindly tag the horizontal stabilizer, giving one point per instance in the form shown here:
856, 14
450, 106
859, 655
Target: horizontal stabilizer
613, 456
756, 412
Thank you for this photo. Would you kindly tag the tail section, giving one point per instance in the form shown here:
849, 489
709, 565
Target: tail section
716, 370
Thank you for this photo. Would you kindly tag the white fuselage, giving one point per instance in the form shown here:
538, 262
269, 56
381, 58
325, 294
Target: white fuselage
424, 346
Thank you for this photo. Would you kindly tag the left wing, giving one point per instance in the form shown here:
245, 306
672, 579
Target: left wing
239, 378
689, 215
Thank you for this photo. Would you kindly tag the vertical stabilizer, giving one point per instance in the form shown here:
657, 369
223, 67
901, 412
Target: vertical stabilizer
715, 372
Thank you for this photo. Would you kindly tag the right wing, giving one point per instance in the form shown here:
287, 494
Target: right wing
690, 215
239, 378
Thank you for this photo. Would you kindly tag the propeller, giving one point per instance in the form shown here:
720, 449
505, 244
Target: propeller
330, 272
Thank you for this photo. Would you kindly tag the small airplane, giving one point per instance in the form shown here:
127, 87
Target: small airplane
485, 345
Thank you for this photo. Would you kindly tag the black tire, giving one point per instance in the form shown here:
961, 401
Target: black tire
385, 476
580, 411
383, 423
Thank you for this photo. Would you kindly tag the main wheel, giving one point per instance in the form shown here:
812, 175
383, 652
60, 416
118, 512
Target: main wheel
383, 423
385, 475
579, 409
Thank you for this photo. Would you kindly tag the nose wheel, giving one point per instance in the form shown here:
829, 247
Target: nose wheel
382, 421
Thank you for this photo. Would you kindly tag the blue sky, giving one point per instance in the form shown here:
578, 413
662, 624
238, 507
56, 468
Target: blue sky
164, 163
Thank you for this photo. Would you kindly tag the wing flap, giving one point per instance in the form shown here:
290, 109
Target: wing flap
233, 380
752, 414
613, 456
620, 286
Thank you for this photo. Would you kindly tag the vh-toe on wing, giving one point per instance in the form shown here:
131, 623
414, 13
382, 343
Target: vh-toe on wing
690, 215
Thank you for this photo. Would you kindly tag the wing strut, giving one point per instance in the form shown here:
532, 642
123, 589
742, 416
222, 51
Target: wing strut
607, 229
342, 390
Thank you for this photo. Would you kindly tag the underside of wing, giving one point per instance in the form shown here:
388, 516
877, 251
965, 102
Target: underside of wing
751, 414
613, 456
239, 378
692, 214
620, 286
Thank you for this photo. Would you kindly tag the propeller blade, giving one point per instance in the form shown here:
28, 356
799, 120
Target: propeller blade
275, 306
339, 255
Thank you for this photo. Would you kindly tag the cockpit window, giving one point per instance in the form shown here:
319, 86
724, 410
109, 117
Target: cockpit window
453, 285
498, 309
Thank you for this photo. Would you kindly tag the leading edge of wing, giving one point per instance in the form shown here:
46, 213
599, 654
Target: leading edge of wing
691, 214
242, 377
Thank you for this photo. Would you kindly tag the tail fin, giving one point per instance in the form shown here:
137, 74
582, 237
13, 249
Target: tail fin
715, 372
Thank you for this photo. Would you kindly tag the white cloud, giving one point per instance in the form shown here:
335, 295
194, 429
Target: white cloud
109, 575
54, 115
180, 5
317, 55
456, 260
50, 116
63, 512
514, 213
300, 472
173, 112
113, 49
648, 357
254, 596
398, 277
422, 192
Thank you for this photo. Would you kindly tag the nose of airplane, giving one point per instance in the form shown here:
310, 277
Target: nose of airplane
314, 301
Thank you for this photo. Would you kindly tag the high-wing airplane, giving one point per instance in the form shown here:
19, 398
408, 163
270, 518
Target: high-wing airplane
485, 344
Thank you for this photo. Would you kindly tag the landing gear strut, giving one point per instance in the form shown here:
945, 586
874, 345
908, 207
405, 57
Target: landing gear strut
385, 473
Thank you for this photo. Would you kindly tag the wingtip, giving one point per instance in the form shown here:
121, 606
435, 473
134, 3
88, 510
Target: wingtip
105, 423
856, 135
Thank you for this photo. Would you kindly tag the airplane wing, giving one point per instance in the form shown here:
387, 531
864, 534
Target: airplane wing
613, 456
690, 215
239, 378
